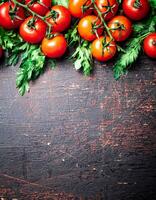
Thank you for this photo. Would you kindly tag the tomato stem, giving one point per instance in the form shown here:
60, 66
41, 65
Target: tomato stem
103, 21
137, 4
33, 13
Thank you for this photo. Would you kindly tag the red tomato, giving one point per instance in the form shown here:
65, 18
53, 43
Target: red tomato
136, 9
40, 7
149, 45
5, 18
1, 52
54, 47
33, 30
103, 49
87, 27
121, 28
59, 18
107, 7
77, 8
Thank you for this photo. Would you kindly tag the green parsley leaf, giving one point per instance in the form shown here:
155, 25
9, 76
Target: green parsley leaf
32, 65
61, 2
82, 58
153, 4
131, 54
13, 44
52, 63
133, 47
72, 36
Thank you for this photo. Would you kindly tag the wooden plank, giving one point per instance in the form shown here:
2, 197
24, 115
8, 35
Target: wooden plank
76, 137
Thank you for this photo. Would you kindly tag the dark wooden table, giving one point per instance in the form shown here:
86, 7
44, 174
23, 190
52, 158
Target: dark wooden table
74, 137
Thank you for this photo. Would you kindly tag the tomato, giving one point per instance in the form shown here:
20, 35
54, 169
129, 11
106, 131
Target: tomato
33, 30
54, 47
59, 18
1, 52
103, 49
136, 9
88, 27
40, 7
121, 28
149, 45
107, 7
5, 18
77, 8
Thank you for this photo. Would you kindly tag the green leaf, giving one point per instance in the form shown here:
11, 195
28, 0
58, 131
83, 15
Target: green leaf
153, 4
130, 56
2, 1
133, 48
72, 36
13, 45
147, 25
61, 2
32, 65
13, 59
82, 58
52, 63
24, 88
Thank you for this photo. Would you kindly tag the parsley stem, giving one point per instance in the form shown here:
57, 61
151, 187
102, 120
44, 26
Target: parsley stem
142, 37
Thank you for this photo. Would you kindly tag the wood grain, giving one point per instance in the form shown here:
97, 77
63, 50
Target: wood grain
75, 137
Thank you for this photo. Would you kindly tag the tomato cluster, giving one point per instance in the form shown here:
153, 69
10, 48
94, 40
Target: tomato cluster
99, 23
38, 22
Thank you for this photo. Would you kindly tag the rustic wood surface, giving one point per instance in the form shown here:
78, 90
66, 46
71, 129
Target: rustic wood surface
78, 138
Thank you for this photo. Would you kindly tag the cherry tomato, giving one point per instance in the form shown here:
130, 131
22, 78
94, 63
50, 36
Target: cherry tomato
107, 7
1, 52
149, 45
103, 49
88, 27
33, 30
121, 28
5, 16
40, 7
77, 8
136, 9
54, 47
59, 18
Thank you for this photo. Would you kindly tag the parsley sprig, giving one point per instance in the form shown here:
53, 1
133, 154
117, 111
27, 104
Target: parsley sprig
133, 46
81, 57
31, 67
31, 59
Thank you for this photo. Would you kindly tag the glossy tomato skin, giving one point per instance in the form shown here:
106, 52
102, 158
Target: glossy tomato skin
41, 7
136, 12
121, 28
75, 7
30, 34
85, 27
54, 47
62, 18
149, 45
1, 52
5, 19
108, 13
100, 52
